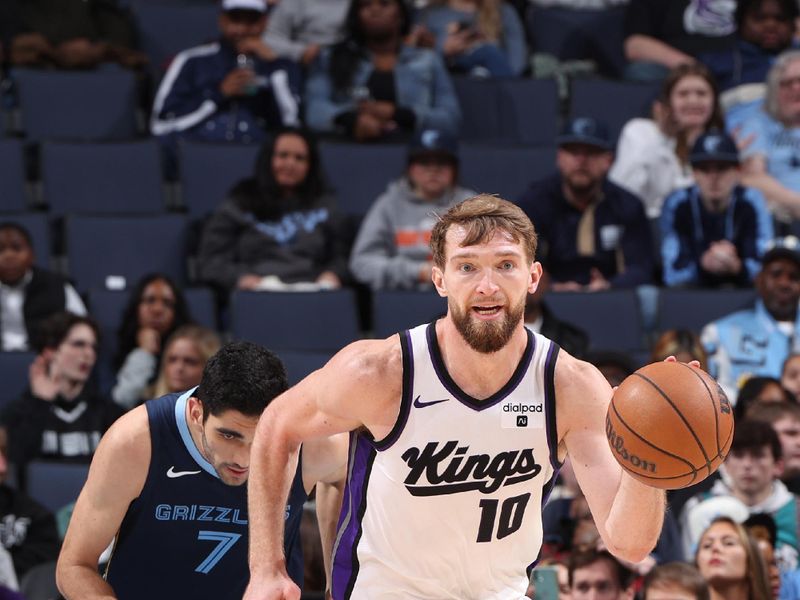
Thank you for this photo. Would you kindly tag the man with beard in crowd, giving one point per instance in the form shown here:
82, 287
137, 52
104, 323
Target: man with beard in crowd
593, 234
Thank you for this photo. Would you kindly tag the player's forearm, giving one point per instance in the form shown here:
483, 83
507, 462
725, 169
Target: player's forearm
82, 582
634, 519
272, 466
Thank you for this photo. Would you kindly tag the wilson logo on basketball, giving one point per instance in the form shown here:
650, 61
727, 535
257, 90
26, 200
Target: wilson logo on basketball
617, 443
449, 470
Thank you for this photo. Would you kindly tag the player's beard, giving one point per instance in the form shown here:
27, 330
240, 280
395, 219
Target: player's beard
487, 336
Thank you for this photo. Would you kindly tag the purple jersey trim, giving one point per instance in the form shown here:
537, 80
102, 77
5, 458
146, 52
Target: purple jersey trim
354, 505
547, 489
550, 404
405, 401
459, 394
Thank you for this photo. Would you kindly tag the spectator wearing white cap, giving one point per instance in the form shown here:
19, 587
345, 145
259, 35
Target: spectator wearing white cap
232, 90
714, 232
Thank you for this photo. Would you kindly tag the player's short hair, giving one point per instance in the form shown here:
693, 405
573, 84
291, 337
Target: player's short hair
773, 411
678, 575
750, 434
579, 560
481, 216
243, 377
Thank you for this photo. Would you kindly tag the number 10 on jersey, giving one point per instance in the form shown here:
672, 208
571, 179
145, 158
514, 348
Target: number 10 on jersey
512, 512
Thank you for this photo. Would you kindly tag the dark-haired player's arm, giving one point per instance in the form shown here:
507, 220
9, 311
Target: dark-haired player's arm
360, 387
116, 477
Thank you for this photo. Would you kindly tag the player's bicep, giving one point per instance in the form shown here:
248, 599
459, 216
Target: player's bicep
116, 477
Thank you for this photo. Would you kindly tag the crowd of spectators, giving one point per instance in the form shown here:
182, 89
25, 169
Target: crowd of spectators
701, 190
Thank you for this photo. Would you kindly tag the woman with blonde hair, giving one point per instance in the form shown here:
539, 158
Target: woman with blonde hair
185, 356
653, 154
478, 37
730, 561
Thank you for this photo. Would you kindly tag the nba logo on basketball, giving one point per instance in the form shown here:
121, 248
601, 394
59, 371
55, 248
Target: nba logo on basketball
522, 420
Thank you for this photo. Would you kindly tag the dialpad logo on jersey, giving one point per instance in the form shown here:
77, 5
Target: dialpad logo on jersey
522, 414
450, 469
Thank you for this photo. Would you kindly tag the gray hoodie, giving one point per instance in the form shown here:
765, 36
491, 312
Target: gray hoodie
392, 243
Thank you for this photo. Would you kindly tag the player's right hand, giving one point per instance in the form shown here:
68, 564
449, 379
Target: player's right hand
279, 587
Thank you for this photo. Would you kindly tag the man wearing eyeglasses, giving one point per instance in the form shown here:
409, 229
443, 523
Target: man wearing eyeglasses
714, 232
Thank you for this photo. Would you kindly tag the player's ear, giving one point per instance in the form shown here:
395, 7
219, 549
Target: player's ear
195, 410
536, 276
437, 276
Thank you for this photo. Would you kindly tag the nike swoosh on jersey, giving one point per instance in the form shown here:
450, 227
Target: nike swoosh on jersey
173, 474
420, 404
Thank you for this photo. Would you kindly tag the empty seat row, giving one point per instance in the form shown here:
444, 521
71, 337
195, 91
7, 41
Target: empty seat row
125, 177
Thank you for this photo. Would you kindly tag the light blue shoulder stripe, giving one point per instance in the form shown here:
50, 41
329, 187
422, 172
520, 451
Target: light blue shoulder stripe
183, 428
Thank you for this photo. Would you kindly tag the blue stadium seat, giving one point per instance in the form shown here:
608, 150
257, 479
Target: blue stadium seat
693, 309
612, 319
166, 29
529, 111
127, 247
38, 225
359, 173
480, 102
315, 321
208, 171
612, 102
55, 484
504, 170
14, 374
299, 364
112, 178
569, 34
12, 176
77, 105
394, 311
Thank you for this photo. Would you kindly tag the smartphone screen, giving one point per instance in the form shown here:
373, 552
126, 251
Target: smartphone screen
545, 580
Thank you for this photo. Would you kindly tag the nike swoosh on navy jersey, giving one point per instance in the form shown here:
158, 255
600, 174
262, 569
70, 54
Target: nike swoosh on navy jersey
172, 473
420, 404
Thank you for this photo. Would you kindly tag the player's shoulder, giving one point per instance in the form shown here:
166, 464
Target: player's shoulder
368, 359
576, 380
129, 436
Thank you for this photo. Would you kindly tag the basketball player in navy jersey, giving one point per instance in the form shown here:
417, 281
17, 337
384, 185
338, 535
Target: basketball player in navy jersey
458, 430
167, 485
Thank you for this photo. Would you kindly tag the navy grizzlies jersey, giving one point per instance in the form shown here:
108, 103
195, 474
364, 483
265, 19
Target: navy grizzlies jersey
185, 536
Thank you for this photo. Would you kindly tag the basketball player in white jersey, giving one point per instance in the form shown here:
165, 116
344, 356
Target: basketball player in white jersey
458, 430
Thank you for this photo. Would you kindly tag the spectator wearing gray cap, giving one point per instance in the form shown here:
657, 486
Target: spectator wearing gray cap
714, 232
593, 234
756, 341
391, 250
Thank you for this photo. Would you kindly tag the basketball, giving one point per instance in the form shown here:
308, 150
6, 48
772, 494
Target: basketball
669, 425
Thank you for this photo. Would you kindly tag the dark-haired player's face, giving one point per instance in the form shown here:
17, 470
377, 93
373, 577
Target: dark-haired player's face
16, 256
486, 286
226, 440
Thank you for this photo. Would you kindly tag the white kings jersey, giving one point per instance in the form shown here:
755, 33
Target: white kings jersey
449, 504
